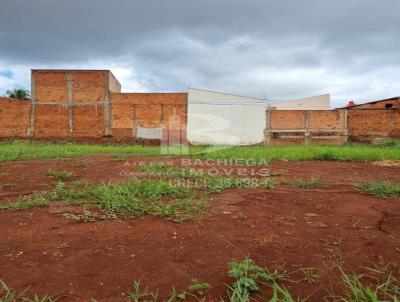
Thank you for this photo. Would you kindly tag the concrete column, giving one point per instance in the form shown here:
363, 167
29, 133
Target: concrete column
346, 125
70, 102
267, 131
31, 127
107, 108
134, 123
164, 126
185, 134
307, 132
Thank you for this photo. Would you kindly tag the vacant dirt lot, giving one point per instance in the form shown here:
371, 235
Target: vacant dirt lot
284, 228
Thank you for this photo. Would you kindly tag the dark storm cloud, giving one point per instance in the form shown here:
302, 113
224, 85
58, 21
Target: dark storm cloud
280, 48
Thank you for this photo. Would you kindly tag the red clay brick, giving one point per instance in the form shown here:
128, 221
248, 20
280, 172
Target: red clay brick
14, 117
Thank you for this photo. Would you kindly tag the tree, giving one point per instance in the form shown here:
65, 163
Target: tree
19, 93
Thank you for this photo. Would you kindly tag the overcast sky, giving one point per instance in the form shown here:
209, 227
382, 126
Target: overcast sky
278, 49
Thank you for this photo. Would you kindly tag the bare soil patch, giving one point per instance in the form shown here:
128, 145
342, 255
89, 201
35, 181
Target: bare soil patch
286, 228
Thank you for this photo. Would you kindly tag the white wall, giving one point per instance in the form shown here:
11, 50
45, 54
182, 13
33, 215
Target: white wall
218, 118
319, 102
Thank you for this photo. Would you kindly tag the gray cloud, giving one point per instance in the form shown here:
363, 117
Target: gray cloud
282, 49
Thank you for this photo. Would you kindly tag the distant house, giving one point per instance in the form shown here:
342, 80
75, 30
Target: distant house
221, 118
318, 102
374, 120
391, 103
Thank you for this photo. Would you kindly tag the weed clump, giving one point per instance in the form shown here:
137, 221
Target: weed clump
8, 294
61, 175
133, 199
26, 202
382, 189
307, 183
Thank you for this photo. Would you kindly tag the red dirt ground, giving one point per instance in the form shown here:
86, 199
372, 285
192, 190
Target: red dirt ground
286, 228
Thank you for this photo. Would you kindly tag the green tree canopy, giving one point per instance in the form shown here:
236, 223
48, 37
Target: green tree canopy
19, 93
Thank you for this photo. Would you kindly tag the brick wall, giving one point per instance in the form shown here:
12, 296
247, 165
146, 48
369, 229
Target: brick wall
77, 104
149, 110
71, 103
49, 86
368, 125
14, 118
89, 86
88, 121
51, 121
305, 126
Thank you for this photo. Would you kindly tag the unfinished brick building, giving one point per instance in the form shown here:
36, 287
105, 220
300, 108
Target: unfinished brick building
374, 120
358, 123
89, 105
306, 127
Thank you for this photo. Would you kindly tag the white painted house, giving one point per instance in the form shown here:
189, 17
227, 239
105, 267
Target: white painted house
319, 102
224, 119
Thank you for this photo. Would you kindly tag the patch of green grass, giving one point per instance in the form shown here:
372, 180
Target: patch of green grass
180, 210
382, 189
196, 289
135, 198
247, 274
8, 294
65, 192
61, 175
269, 183
199, 288
355, 289
250, 281
139, 294
164, 197
5, 185
178, 197
349, 152
311, 183
24, 150
281, 294
128, 198
248, 278
153, 168
164, 171
145, 189
388, 143
26, 202
214, 184
119, 157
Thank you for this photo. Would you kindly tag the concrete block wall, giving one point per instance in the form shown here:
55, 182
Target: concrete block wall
306, 126
14, 118
149, 110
